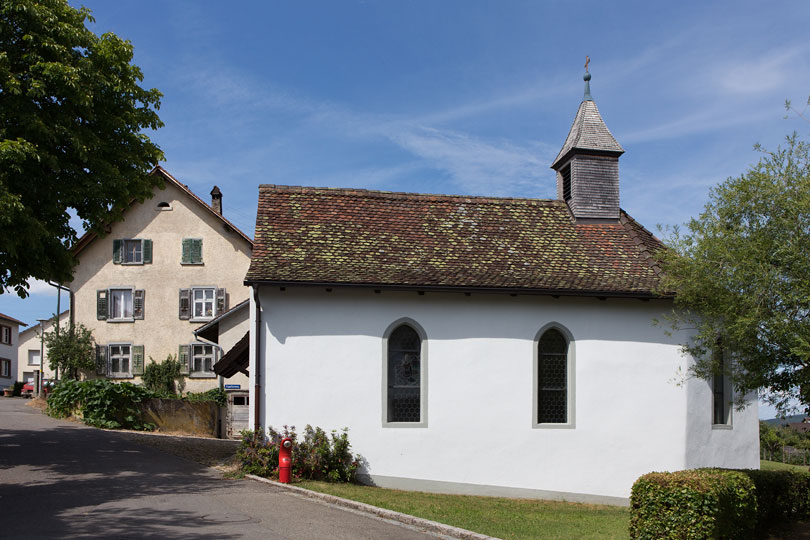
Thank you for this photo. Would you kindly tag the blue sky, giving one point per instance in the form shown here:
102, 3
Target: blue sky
463, 97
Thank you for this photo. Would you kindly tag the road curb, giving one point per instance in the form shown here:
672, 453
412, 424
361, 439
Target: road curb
432, 526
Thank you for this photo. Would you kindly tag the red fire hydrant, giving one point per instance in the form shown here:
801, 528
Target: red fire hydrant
284, 460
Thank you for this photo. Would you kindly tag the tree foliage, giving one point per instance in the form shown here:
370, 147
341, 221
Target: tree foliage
71, 121
70, 350
742, 276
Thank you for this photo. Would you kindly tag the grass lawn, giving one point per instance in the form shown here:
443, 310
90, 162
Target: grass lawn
766, 465
494, 516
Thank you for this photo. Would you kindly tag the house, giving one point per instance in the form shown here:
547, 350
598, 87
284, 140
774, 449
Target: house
31, 347
173, 263
9, 337
482, 345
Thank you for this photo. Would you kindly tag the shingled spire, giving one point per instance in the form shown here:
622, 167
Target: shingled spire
588, 164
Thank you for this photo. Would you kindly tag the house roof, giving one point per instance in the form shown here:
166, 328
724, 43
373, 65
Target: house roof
323, 236
89, 236
236, 360
210, 330
588, 133
11, 319
48, 324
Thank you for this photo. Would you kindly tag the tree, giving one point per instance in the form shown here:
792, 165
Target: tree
71, 350
741, 274
71, 121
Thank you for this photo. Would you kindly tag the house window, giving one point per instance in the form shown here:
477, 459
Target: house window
5, 368
120, 304
721, 395
554, 378
132, 251
5, 334
164, 205
120, 361
202, 359
405, 372
33, 357
203, 303
192, 251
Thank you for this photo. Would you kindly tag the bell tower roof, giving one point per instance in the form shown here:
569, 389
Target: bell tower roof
588, 134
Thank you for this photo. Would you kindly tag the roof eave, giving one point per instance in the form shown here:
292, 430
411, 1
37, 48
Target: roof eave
644, 295
562, 159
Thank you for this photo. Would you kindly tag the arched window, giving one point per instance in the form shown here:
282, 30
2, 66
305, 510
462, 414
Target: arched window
554, 372
404, 384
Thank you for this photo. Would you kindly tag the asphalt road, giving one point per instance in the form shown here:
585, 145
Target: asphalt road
65, 480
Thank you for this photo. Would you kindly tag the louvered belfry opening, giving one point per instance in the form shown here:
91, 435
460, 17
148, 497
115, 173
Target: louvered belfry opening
588, 165
404, 375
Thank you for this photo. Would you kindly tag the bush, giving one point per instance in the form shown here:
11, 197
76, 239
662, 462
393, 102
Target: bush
100, 402
781, 496
701, 503
317, 457
215, 394
164, 378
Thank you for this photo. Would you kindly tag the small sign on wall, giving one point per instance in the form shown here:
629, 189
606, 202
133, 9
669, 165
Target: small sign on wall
233, 386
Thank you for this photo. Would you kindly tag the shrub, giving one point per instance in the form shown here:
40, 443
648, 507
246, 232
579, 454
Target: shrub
164, 378
701, 503
781, 495
317, 457
100, 402
215, 394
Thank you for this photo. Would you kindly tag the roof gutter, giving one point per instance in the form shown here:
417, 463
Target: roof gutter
257, 369
488, 290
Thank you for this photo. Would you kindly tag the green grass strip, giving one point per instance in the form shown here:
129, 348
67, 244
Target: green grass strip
494, 516
766, 465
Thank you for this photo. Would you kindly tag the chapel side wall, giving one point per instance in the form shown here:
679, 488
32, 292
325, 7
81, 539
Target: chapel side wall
629, 413
732, 446
226, 257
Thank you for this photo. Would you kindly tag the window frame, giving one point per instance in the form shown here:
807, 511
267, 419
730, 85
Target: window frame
124, 242
7, 363
215, 354
118, 374
727, 395
39, 354
570, 378
5, 330
191, 261
110, 292
192, 302
423, 375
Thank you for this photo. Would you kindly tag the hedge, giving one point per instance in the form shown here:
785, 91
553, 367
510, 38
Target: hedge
716, 503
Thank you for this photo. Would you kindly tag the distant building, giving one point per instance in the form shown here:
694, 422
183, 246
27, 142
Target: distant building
9, 337
31, 348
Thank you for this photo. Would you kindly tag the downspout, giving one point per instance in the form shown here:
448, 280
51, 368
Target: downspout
257, 369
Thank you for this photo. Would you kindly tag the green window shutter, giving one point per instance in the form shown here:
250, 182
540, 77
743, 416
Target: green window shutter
222, 302
137, 359
138, 304
147, 251
186, 251
196, 251
185, 304
101, 304
117, 251
101, 360
183, 357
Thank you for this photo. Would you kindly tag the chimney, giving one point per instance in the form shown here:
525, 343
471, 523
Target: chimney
216, 200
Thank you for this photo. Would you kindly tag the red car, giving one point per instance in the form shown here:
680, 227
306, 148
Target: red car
28, 388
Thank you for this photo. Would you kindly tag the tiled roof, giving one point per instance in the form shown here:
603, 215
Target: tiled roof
357, 237
11, 319
588, 132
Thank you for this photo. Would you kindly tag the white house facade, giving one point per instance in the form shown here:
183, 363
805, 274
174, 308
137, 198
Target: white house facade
9, 338
483, 345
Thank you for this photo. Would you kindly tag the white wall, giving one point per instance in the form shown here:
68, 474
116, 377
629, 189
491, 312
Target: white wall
325, 369
9, 352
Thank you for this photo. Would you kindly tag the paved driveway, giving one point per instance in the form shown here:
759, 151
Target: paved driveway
64, 480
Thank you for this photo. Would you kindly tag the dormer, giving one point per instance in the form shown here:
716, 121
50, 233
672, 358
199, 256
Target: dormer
588, 165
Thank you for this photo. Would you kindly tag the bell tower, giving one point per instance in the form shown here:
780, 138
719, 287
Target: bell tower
588, 165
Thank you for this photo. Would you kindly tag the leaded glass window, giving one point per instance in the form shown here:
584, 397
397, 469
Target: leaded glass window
404, 375
552, 378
